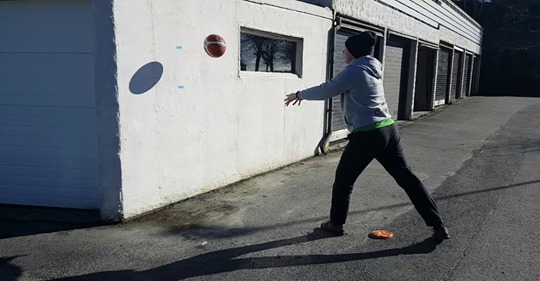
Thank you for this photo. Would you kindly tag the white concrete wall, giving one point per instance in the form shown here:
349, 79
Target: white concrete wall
440, 21
224, 125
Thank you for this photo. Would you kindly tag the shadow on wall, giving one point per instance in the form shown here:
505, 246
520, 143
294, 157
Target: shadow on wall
322, 3
146, 78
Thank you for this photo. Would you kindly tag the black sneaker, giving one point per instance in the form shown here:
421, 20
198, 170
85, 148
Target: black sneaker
336, 229
441, 233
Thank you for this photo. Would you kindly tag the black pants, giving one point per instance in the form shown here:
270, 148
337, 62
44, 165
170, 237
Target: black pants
384, 145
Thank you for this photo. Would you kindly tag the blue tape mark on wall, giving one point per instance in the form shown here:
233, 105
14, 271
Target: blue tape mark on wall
179, 47
181, 87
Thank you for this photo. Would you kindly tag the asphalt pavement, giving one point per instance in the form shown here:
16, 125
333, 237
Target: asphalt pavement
479, 157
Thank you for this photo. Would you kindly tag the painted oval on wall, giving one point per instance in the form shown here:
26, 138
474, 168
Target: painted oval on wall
146, 78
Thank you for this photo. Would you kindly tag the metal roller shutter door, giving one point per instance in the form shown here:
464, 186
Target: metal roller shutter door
467, 76
443, 69
48, 140
338, 122
476, 61
455, 74
393, 70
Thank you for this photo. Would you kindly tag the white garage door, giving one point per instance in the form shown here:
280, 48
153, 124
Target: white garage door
393, 70
48, 141
443, 71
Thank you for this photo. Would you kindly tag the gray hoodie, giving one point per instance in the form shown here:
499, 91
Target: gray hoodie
361, 84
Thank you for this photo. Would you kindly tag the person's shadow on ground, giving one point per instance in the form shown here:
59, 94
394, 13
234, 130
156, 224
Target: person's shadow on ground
8, 271
224, 260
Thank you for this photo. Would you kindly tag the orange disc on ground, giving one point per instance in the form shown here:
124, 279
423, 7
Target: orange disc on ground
381, 234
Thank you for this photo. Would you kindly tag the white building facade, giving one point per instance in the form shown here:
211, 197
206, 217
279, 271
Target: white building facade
115, 105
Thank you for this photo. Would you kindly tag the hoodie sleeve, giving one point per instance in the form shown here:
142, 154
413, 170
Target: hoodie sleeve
331, 88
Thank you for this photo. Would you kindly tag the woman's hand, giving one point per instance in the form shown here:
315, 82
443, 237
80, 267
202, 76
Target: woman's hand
292, 98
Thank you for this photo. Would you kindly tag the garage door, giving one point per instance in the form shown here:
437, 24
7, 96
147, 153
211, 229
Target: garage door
393, 72
476, 61
48, 146
423, 90
443, 70
456, 75
338, 122
467, 76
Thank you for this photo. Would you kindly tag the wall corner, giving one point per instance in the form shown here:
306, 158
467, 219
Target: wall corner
107, 111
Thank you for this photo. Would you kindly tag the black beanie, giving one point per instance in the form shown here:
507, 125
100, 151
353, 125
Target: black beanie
361, 44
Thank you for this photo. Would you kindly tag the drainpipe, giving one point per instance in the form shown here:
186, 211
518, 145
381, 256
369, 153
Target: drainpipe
324, 144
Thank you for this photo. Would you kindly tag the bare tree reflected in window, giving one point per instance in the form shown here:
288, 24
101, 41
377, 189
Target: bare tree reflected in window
264, 54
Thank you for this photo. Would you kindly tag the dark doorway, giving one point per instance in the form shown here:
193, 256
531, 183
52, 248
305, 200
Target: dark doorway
423, 94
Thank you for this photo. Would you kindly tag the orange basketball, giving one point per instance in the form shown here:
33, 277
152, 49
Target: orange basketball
381, 234
215, 45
